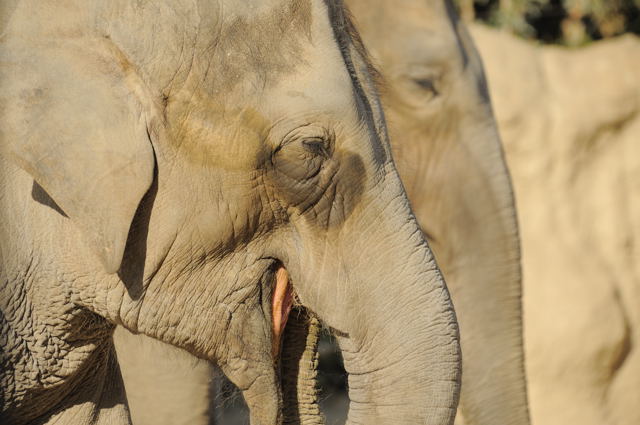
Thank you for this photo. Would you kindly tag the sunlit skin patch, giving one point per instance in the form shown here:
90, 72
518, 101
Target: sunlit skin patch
280, 308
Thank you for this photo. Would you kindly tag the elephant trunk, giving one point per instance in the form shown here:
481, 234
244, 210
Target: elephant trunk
299, 370
405, 370
393, 318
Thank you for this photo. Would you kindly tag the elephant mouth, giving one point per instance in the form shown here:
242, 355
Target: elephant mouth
281, 304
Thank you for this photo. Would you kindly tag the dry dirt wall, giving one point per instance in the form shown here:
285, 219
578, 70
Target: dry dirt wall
570, 123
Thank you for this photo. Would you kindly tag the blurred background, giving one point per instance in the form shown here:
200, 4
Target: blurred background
564, 77
568, 22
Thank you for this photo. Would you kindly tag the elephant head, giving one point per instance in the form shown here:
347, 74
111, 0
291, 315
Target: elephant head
451, 163
187, 169
449, 155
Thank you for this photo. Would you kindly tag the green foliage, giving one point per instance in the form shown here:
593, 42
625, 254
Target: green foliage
571, 22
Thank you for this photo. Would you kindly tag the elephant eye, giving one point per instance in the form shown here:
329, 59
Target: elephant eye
303, 152
427, 85
303, 167
317, 146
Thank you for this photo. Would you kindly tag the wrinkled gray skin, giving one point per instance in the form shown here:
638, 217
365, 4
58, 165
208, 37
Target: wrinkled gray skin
158, 161
449, 155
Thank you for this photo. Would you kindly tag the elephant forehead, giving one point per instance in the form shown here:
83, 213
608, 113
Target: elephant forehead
416, 32
262, 47
212, 41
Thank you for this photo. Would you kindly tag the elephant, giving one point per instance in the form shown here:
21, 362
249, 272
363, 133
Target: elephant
449, 155
575, 157
195, 171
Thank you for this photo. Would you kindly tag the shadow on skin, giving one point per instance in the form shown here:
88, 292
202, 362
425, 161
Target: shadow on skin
132, 269
42, 197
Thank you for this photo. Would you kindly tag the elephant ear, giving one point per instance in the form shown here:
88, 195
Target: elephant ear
69, 118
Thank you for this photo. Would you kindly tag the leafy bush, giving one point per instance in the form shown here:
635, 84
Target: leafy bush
571, 22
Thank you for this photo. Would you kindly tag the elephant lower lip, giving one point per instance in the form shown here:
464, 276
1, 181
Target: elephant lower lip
281, 304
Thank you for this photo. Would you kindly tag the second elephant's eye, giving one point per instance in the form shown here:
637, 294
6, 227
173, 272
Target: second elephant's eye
427, 85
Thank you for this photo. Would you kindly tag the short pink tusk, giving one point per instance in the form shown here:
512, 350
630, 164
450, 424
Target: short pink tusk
280, 307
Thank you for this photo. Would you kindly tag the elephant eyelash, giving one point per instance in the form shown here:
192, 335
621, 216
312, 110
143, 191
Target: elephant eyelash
317, 146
